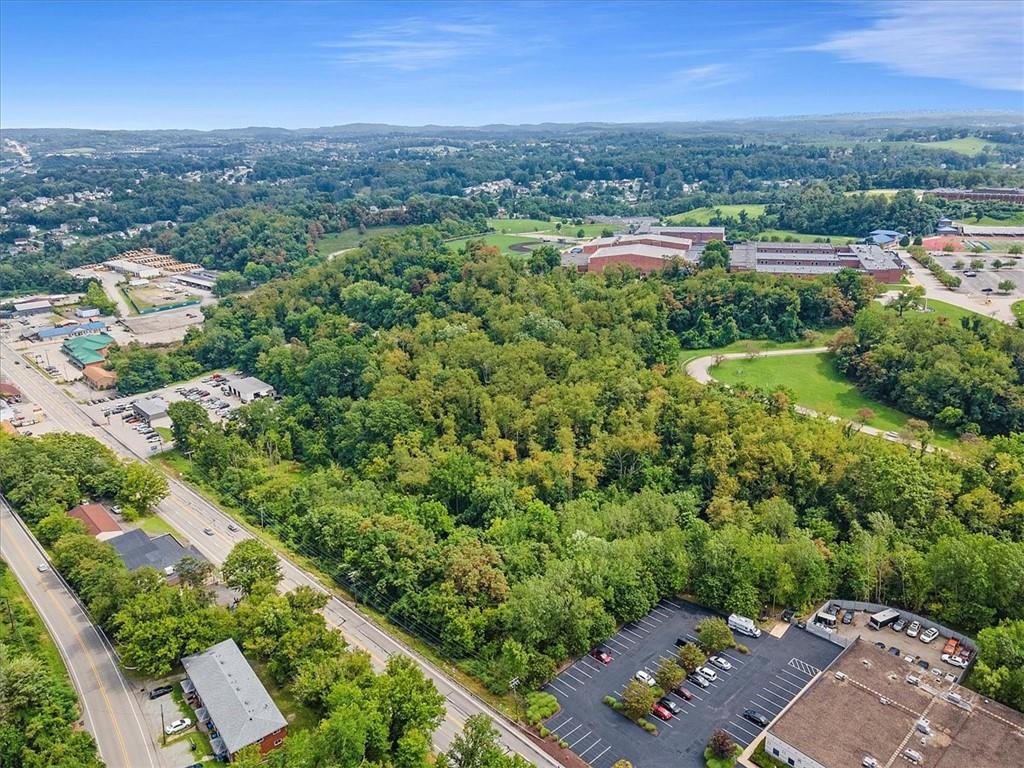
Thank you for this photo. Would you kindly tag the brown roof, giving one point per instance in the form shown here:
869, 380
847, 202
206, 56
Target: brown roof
7, 390
99, 375
875, 710
96, 518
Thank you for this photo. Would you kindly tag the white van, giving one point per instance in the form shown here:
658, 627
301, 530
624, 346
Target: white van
743, 625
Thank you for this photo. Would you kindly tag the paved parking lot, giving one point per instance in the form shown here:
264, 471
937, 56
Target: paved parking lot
766, 679
986, 277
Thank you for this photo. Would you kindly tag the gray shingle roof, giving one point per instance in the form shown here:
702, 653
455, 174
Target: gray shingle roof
236, 700
161, 552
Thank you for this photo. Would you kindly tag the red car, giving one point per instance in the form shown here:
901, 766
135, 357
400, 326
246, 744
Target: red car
601, 655
660, 712
682, 693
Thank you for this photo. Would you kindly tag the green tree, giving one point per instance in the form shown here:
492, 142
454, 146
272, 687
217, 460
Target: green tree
190, 424
668, 675
1015, 250
911, 298
95, 296
637, 699
691, 657
249, 563
714, 635
716, 254
229, 282
1007, 286
408, 701
581, 233
194, 572
478, 747
977, 264
142, 489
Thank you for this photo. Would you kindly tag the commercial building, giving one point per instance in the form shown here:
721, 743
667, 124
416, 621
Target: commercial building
86, 312
85, 351
9, 393
198, 278
130, 268
1004, 194
150, 409
230, 701
97, 519
49, 332
884, 238
137, 550
646, 252
694, 234
813, 259
26, 308
871, 708
99, 378
983, 230
250, 388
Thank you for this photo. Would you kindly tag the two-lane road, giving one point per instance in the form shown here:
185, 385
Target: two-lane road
110, 710
191, 513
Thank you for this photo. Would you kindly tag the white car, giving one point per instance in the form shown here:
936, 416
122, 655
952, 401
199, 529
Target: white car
956, 661
645, 677
707, 672
178, 726
42, 567
914, 629
208, 531
719, 662
929, 634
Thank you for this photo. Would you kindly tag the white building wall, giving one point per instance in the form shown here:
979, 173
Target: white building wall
789, 755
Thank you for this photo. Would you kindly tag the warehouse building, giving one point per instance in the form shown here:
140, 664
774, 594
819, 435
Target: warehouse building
813, 259
250, 388
646, 252
1004, 194
871, 708
150, 409
26, 308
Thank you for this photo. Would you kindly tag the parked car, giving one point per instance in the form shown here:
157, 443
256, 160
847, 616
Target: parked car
956, 661
708, 672
645, 677
178, 726
914, 629
670, 705
929, 634
788, 614
895, 651
681, 641
848, 616
880, 646
682, 692
899, 625
756, 717
660, 712
699, 680
159, 691
719, 662
923, 664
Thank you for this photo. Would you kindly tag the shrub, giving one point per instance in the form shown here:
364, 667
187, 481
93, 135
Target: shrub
714, 635
742, 648
544, 732
540, 706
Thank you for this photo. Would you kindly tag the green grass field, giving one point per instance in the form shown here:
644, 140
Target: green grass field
951, 312
702, 216
820, 339
550, 227
815, 383
884, 191
1018, 310
805, 238
969, 146
349, 238
504, 242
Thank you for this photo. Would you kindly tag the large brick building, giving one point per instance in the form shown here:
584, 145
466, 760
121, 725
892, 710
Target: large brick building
647, 252
813, 259
1003, 194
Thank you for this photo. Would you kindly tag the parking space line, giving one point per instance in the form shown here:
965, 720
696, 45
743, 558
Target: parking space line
591, 665
636, 634
753, 735
648, 620
735, 737
577, 668
772, 704
561, 724
661, 610
733, 659
670, 602
623, 637
580, 739
565, 736
782, 686
599, 756
659, 721
773, 693
581, 754
570, 686
552, 685
621, 646
801, 681
567, 673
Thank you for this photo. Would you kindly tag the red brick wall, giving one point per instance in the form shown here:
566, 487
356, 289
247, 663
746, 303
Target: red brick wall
643, 263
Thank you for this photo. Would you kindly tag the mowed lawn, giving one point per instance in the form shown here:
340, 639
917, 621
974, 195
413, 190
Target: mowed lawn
702, 216
803, 237
504, 242
550, 227
349, 238
969, 146
816, 384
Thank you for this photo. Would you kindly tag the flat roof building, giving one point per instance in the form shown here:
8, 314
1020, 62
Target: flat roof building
68, 329
25, 308
198, 278
126, 267
137, 550
873, 708
647, 252
150, 409
695, 234
1005, 194
250, 388
230, 700
813, 259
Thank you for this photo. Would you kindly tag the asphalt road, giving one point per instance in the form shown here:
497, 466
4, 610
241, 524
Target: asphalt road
109, 708
190, 513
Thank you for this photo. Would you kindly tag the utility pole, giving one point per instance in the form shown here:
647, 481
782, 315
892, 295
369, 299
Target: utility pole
163, 727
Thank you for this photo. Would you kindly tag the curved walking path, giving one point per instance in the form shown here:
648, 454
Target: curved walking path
700, 369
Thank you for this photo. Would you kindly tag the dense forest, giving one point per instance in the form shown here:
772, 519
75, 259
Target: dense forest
967, 376
364, 717
510, 464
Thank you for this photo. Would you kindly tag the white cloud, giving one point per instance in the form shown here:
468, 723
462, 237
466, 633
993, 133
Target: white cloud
705, 76
414, 44
977, 42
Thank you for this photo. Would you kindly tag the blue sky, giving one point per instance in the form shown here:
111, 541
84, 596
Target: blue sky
307, 64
